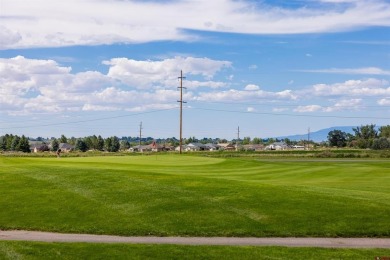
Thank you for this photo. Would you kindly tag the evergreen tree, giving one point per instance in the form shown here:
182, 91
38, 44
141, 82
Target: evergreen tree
3, 143
107, 144
63, 139
24, 145
100, 143
115, 145
54, 145
81, 145
15, 143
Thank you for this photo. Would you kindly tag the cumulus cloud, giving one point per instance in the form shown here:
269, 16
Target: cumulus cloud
340, 105
366, 87
44, 23
30, 85
143, 74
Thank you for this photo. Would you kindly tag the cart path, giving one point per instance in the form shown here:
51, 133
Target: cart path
19, 235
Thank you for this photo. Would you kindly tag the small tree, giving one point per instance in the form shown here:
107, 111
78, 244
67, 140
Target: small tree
125, 145
63, 139
100, 143
24, 145
54, 145
381, 144
81, 145
384, 131
115, 145
337, 138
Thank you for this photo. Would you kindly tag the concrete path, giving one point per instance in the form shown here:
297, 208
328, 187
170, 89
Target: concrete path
232, 241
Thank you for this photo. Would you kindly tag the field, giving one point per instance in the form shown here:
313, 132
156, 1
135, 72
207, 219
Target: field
171, 195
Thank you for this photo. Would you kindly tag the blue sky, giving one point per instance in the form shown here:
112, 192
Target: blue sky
272, 68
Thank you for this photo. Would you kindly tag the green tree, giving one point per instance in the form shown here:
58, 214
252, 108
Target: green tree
15, 143
9, 139
3, 143
257, 140
63, 139
246, 140
384, 131
107, 144
337, 138
100, 143
54, 145
81, 145
381, 143
125, 145
24, 145
115, 144
366, 132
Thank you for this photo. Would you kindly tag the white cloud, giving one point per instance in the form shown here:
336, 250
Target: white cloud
345, 104
252, 87
245, 95
384, 102
30, 86
143, 74
253, 67
366, 87
45, 23
358, 71
309, 108
250, 109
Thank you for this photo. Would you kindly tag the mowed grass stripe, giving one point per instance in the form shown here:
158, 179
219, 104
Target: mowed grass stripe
150, 195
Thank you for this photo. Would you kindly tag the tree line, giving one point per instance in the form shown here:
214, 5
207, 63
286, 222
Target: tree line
364, 137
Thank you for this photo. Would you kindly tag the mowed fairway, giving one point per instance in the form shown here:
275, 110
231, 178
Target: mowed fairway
172, 195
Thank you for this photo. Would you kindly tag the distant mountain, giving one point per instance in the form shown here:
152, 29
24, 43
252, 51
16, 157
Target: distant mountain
320, 135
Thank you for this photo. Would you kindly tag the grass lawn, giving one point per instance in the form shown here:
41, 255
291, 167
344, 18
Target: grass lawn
171, 195
36, 250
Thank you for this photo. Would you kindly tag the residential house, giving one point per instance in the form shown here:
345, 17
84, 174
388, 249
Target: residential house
277, 146
65, 147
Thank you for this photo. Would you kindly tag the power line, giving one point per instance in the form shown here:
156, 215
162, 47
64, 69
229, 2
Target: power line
90, 120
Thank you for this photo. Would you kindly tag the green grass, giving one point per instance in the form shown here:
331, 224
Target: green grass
171, 195
36, 250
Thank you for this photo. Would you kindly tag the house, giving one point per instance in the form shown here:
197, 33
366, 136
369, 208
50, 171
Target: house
227, 146
211, 147
183, 148
191, 147
65, 147
155, 147
277, 146
141, 148
253, 147
37, 147
298, 147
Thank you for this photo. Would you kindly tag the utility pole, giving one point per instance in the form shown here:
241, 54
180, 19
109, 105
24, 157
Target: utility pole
181, 109
140, 135
238, 138
308, 138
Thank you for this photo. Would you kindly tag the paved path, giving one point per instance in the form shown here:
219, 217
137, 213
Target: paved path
237, 241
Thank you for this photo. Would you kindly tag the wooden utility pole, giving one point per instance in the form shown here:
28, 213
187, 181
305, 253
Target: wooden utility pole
181, 110
140, 135
238, 138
